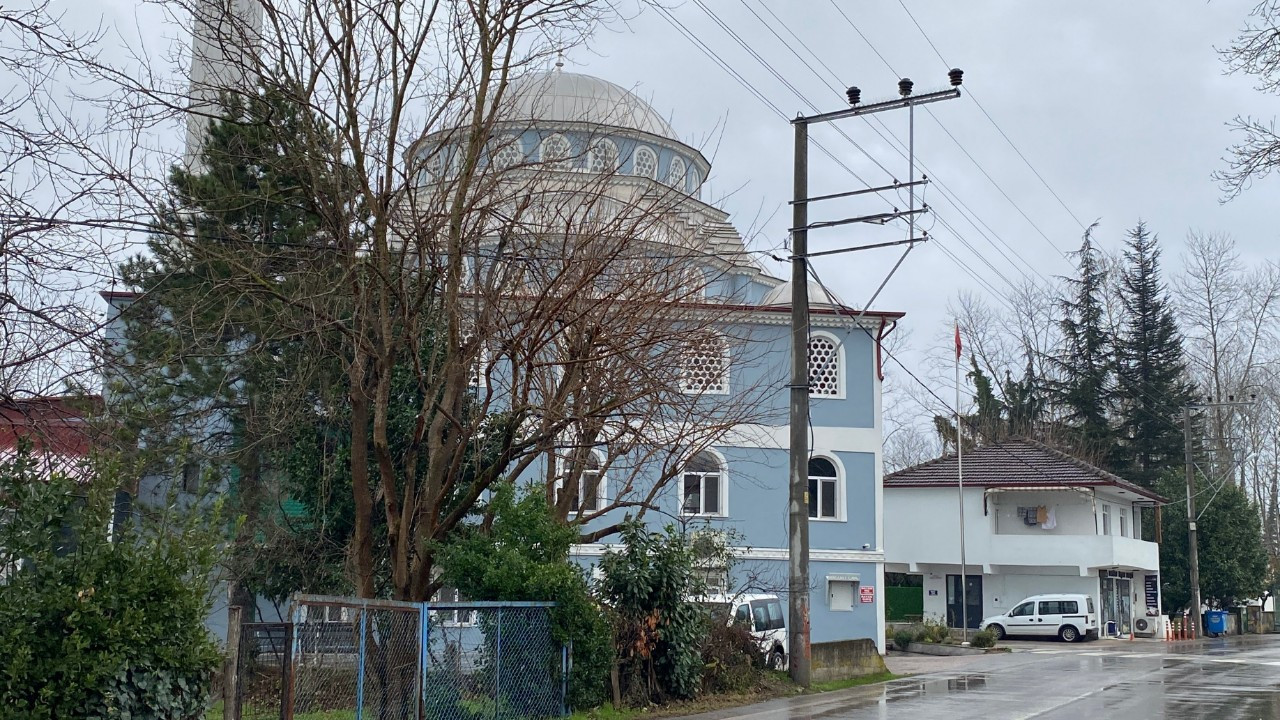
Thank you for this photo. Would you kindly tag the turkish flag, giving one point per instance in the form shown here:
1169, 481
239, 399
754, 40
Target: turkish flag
957, 341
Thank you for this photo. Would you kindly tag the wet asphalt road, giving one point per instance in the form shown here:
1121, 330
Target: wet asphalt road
1225, 679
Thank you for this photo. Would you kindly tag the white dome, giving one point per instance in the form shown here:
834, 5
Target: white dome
557, 96
781, 296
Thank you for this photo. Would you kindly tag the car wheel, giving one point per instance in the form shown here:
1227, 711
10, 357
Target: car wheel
777, 660
1069, 633
997, 630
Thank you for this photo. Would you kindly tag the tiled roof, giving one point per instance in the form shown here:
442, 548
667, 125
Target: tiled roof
1013, 463
60, 437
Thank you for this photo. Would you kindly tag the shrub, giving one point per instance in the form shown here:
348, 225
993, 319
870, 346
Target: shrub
94, 625
932, 631
731, 659
902, 637
983, 638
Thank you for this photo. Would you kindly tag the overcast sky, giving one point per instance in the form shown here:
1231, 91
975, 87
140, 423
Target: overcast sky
1121, 107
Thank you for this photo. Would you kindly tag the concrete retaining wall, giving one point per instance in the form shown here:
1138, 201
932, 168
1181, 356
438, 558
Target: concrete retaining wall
845, 659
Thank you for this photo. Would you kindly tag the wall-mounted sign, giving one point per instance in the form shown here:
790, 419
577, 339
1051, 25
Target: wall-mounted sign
933, 593
867, 594
1152, 583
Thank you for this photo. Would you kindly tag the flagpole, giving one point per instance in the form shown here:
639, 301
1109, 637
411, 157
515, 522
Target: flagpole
964, 579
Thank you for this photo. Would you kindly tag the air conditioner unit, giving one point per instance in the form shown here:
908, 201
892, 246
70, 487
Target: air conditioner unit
1149, 626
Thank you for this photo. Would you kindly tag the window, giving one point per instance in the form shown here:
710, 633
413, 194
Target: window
824, 366
455, 617
1106, 519
705, 367
767, 615
703, 486
1026, 609
506, 152
476, 376
1058, 607
325, 614
1124, 524
742, 615
435, 163
603, 157
645, 163
694, 180
823, 489
675, 173
191, 477
591, 485
714, 579
1089, 603
555, 152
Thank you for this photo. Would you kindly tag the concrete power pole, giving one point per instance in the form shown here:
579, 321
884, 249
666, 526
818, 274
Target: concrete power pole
798, 652
225, 37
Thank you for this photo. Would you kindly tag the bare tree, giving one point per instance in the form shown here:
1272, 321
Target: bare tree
1255, 52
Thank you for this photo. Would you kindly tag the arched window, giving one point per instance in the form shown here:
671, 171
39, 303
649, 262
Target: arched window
506, 152
676, 173
705, 365
703, 486
590, 485
645, 163
435, 162
603, 157
555, 152
695, 181
825, 375
824, 489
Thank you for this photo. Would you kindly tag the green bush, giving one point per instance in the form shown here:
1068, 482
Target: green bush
94, 626
731, 658
902, 637
932, 631
983, 638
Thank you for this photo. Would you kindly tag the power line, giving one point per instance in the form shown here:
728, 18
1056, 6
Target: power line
992, 120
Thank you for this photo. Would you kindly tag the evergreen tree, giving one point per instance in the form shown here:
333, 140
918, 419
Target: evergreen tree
1086, 360
1024, 402
1151, 374
987, 423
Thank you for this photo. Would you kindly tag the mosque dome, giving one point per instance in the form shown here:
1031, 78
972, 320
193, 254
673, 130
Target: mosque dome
557, 97
780, 296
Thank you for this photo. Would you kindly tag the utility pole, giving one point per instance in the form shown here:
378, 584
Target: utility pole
1193, 550
798, 652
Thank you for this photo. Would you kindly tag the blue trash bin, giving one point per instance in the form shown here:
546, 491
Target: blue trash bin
1215, 622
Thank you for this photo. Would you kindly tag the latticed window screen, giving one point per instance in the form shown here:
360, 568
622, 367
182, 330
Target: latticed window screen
675, 173
603, 157
555, 152
706, 365
646, 163
824, 366
507, 152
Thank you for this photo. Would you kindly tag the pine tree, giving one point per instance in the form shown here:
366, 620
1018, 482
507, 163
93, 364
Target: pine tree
987, 423
1151, 373
1024, 402
1086, 359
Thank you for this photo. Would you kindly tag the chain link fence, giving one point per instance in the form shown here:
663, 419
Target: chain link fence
383, 660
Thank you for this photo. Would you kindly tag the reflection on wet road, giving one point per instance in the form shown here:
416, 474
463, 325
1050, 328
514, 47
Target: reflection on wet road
1220, 680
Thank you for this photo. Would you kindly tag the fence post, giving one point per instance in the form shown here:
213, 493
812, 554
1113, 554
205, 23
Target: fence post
497, 675
286, 692
424, 628
360, 660
231, 667
564, 677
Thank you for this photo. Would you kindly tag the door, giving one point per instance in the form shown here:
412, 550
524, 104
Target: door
973, 593
1049, 617
1022, 619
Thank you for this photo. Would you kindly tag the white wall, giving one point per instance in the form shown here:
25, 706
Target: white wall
1072, 511
1001, 592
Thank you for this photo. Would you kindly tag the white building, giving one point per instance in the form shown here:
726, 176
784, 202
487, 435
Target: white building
1035, 521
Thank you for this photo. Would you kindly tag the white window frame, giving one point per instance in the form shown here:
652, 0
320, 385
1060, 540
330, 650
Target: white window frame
449, 618
726, 361
1124, 522
841, 380
602, 488
612, 157
504, 143
635, 161
1106, 518
476, 375
679, 182
722, 471
564, 163
694, 180
841, 515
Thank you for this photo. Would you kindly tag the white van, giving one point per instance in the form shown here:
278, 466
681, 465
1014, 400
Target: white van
1067, 617
763, 614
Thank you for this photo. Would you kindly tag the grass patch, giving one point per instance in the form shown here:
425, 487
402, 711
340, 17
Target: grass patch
853, 682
